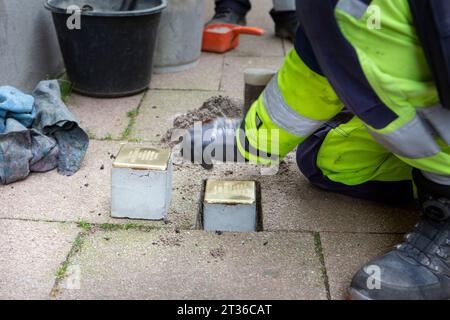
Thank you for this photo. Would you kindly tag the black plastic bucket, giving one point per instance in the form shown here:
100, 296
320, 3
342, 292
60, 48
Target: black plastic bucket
111, 54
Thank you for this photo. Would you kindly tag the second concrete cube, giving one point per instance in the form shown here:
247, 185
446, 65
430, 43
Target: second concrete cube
230, 206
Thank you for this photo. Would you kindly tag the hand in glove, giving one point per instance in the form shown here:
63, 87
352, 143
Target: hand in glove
214, 140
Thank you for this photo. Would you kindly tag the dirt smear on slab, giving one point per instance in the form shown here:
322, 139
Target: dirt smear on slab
213, 108
218, 253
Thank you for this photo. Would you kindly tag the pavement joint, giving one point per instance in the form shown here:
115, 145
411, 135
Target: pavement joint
132, 115
321, 256
92, 228
61, 272
265, 230
116, 140
38, 220
362, 232
90, 134
221, 75
183, 90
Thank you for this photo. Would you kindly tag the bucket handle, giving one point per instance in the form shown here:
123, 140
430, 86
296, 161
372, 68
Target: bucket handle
249, 30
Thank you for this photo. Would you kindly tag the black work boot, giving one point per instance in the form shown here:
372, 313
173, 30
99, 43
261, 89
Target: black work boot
286, 24
227, 15
418, 269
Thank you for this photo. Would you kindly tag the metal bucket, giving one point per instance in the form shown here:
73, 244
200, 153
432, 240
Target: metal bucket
180, 36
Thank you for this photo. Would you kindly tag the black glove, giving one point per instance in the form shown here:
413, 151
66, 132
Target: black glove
215, 140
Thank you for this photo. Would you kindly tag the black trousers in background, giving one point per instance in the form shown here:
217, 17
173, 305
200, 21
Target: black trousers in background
241, 7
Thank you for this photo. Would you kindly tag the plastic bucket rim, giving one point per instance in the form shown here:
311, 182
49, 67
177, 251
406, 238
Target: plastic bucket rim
134, 13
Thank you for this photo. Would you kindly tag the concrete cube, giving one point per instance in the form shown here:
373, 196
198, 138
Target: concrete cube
141, 185
230, 206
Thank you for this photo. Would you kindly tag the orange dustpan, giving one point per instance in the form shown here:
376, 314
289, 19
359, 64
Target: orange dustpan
223, 37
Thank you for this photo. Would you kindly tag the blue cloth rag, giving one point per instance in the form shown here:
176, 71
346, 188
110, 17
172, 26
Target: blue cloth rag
39, 133
17, 105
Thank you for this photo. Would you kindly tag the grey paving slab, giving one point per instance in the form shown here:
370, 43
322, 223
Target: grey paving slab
258, 46
50, 196
53, 197
259, 15
205, 76
103, 118
197, 265
346, 253
30, 254
161, 107
233, 74
290, 202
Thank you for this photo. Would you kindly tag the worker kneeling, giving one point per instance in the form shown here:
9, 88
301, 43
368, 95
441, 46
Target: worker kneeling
365, 108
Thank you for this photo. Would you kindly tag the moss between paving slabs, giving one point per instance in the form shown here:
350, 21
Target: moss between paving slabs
90, 134
77, 244
128, 226
319, 251
90, 228
86, 226
132, 115
62, 270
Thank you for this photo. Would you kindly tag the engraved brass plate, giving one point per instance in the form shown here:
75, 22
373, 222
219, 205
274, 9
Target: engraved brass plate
230, 192
142, 157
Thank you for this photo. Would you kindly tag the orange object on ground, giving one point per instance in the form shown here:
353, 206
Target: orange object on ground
223, 37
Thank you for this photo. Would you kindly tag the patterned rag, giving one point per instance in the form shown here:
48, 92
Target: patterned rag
38, 133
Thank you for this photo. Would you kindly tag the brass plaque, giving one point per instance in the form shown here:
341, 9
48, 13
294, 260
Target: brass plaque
230, 192
142, 157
